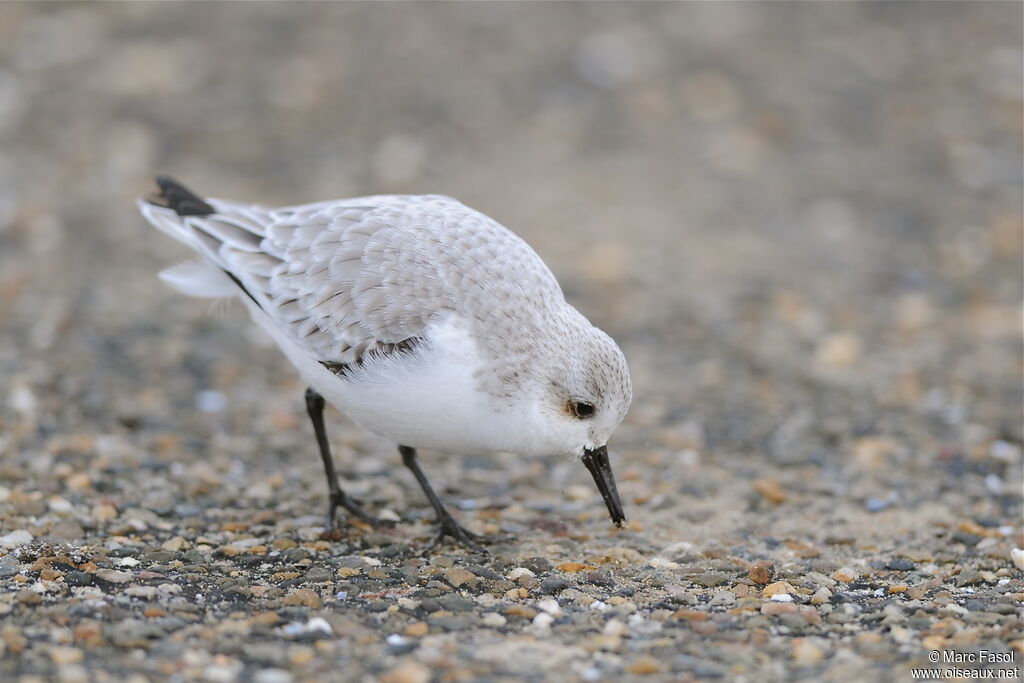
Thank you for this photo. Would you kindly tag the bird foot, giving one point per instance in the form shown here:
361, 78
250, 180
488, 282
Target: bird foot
461, 535
340, 499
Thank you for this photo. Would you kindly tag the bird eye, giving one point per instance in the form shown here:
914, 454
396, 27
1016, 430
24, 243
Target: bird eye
581, 410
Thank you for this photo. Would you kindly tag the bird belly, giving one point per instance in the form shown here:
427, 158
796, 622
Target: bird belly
426, 397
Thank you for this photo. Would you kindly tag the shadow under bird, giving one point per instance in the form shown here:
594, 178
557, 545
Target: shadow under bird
424, 321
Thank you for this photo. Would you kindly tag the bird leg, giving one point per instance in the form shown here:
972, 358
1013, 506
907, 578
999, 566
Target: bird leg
448, 525
336, 497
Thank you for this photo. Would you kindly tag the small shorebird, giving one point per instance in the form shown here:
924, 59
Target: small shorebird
424, 321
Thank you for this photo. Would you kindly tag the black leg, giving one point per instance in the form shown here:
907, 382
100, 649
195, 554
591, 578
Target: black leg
336, 498
449, 527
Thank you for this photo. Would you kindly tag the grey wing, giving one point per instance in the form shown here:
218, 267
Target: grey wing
333, 277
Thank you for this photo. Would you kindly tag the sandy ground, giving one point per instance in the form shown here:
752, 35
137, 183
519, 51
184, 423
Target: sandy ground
801, 222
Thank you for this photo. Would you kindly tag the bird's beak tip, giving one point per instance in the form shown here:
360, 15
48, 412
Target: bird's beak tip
596, 461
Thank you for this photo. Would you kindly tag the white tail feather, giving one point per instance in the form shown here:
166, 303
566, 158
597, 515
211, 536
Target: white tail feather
199, 278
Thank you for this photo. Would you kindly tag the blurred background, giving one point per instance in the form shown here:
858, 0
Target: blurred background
802, 222
765, 204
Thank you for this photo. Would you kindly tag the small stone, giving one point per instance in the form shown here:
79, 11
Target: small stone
175, 544
141, 592
762, 573
838, 351
662, 563
574, 567
777, 608
15, 538
519, 572
644, 666
528, 582
614, 627
537, 565
900, 564
1017, 557
113, 575
551, 606
845, 574
304, 597
494, 620
710, 579
408, 671
771, 490
273, 676
318, 574
821, 596
542, 622
457, 576
79, 481
89, 634
968, 577
554, 584
806, 652
416, 629
778, 588
66, 655
723, 598
690, 615
104, 512
521, 611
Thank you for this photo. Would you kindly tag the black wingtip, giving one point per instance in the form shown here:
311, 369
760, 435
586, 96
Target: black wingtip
182, 200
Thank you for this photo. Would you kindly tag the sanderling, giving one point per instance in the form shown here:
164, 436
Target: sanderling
424, 321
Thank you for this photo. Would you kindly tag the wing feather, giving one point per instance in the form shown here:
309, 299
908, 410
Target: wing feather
364, 276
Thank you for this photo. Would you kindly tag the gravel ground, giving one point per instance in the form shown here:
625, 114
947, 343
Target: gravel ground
802, 223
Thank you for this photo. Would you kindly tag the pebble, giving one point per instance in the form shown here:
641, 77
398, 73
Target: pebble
771, 490
550, 606
845, 574
304, 597
494, 620
821, 596
114, 576
458, 576
175, 544
778, 588
710, 579
273, 676
968, 577
723, 598
806, 652
537, 565
554, 584
15, 538
762, 573
66, 655
644, 666
519, 572
417, 629
615, 627
662, 563
900, 564
408, 671
1017, 557
776, 608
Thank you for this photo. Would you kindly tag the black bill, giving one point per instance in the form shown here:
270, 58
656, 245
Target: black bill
597, 462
